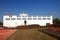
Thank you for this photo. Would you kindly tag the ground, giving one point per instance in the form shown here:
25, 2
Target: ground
29, 34
5, 33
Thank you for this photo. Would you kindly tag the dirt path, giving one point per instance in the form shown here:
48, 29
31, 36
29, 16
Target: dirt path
30, 34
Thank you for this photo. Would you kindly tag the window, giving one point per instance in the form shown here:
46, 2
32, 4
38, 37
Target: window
48, 18
29, 18
23, 18
34, 18
39, 18
12, 18
44, 18
7, 18
18, 18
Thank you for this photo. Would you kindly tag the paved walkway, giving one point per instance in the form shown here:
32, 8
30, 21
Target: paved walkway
51, 33
30, 34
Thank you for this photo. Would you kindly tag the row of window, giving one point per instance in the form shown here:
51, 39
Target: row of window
28, 18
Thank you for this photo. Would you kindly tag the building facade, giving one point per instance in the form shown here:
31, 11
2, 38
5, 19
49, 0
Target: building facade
24, 19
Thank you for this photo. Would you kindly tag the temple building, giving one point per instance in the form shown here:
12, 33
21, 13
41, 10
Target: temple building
24, 19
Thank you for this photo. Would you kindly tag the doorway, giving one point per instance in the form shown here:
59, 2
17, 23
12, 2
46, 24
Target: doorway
25, 22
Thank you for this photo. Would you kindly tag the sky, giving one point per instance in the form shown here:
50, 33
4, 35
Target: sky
31, 7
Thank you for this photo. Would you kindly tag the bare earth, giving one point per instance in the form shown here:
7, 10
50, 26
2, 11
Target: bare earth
29, 34
5, 33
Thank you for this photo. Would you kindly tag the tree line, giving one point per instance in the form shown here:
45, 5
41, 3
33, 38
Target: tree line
1, 23
56, 21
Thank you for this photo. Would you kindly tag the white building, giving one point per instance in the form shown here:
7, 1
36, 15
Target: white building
14, 21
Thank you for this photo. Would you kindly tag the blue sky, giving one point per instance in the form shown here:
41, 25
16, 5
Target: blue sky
31, 7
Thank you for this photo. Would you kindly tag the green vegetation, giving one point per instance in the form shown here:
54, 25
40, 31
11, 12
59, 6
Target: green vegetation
1, 23
30, 34
56, 21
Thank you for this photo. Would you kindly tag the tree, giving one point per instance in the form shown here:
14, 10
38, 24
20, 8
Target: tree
56, 21
1, 23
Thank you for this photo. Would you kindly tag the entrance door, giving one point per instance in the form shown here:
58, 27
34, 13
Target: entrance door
25, 22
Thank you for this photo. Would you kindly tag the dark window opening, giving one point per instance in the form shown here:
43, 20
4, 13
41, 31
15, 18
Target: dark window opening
44, 18
23, 18
18, 18
12, 18
39, 18
7, 18
34, 18
48, 18
29, 18
25, 22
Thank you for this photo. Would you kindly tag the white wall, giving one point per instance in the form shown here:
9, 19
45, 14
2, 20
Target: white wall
15, 23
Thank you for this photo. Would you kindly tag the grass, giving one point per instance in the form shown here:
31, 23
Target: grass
30, 34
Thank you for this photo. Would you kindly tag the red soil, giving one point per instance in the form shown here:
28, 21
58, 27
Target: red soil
54, 29
5, 33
